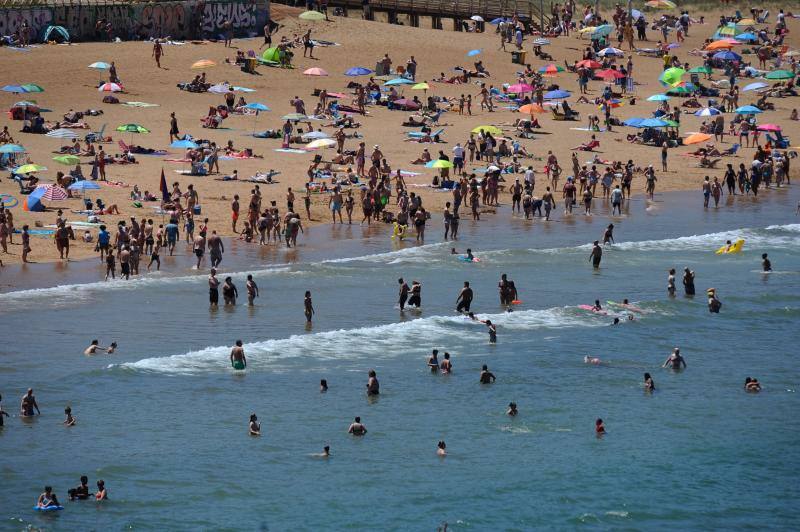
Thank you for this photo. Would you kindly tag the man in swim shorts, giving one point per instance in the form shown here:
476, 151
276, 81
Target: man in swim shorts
335, 204
464, 299
238, 360
216, 248
213, 288
766, 265
486, 377
403, 293
596, 255
28, 404
675, 360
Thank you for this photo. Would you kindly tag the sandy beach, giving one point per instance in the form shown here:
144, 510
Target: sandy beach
69, 84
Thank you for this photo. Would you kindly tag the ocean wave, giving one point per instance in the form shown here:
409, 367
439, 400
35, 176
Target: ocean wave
380, 341
423, 253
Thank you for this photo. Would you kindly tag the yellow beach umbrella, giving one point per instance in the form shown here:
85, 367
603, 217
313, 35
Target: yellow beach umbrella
488, 129
421, 86
311, 15
203, 63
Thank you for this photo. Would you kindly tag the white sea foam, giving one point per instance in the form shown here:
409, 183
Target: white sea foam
380, 341
422, 253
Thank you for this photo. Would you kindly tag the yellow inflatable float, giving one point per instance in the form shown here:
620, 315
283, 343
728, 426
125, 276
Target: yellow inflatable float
735, 247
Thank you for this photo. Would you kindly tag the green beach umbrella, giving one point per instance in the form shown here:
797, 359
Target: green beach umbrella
779, 74
133, 128
68, 160
671, 76
33, 87
700, 70
439, 163
29, 169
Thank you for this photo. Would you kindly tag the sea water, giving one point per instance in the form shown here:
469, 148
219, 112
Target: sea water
164, 419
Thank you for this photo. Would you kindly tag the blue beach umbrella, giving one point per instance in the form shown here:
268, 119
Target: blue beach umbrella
257, 106
473, 53
84, 185
99, 65
727, 55
633, 122
708, 111
557, 95
755, 86
183, 144
14, 88
652, 122
658, 98
358, 71
398, 81
748, 110
499, 20
603, 29
746, 37
11, 148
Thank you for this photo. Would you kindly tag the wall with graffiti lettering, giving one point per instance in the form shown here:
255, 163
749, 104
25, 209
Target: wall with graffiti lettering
188, 19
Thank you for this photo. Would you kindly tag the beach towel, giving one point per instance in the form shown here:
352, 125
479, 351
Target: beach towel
289, 150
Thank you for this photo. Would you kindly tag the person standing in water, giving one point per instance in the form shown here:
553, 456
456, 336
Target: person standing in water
2, 412
599, 427
309, 307
373, 386
596, 255
512, 409
486, 376
508, 292
254, 427
213, 288
675, 360
402, 294
28, 404
714, 304
416, 295
492, 331
252, 290
608, 235
688, 282
649, 385
446, 366
464, 299
671, 283
357, 428
766, 265
433, 361
238, 360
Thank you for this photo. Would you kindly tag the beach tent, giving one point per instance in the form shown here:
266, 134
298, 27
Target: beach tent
54, 33
271, 54
33, 202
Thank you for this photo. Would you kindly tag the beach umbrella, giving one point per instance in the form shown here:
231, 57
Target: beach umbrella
109, 87
551, 69
700, 70
421, 86
780, 74
652, 122
531, 108
588, 63
660, 4
398, 81
707, 111
33, 87
219, 88
671, 76
295, 117
132, 128
439, 163
720, 45
407, 104
746, 37
603, 30
696, 138
100, 66
62, 134
52, 193
11, 148
473, 53
321, 143
791, 53
755, 86
520, 88
540, 41
609, 74
203, 63
28, 169
498, 21
476, 18
256, 106
14, 88
769, 127
84, 185
315, 135
315, 71
243, 89
69, 160
613, 103
557, 95
746, 22
488, 129
358, 71
311, 15
727, 56
183, 144
587, 29
633, 122
636, 14
25, 104
671, 123
748, 110
658, 98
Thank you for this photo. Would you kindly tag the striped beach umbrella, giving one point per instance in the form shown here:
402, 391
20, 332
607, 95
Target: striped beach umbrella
109, 87
53, 193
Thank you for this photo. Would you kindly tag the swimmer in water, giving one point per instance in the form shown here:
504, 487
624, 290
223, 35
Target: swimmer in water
649, 385
323, 385
326, 451
492, 331
373, 386
255, 426
591, 360
441, 448
752, 385
615, 322
597, 307
48, 498
728, 246
714, 304
608, 235
81, 493
766, 265
446, 366
486, 377
102, 494
599, 428
238, 360
675, 360
308, 307
470, 256
512, 409
95, 346
433, 361
453, 251
69, 421
357, 428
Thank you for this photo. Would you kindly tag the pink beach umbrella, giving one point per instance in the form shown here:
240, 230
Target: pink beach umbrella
315, 71
520, 88
109, 87
769, 127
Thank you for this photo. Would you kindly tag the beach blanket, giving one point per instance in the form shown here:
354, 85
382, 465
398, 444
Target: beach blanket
601, 130
140, 104
289, 150
178, 160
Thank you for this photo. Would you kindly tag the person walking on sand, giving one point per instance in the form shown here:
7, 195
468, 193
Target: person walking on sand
158, 51
173, 127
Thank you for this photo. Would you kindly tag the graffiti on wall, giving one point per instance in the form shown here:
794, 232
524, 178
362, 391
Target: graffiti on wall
166, 19
241, 15
120, 17
37, 18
